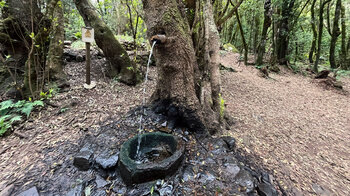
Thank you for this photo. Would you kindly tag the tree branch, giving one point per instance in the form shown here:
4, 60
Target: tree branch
230, 14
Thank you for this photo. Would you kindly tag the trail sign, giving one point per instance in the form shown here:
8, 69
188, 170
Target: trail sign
87, 34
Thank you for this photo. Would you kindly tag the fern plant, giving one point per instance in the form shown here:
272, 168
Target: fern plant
11, 112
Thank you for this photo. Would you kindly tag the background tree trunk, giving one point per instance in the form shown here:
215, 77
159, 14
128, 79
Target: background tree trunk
314, 32
116, 55
266, 26
343, 56
245, 46
320, 30
335, 34
283, 33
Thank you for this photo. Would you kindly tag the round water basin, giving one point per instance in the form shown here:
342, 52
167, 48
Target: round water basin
160, 155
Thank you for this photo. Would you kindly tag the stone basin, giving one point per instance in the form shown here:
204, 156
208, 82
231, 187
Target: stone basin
134, 172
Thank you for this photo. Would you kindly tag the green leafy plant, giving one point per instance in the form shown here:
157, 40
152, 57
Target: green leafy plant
46, 95
11, 112
78, 35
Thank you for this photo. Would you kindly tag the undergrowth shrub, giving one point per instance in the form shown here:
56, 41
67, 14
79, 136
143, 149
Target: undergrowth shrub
11, 112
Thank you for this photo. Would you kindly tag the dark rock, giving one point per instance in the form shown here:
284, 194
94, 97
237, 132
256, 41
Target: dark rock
245, 180
100, 182
188, 173
76, 191
266, 190
30, 192
219, 146
166, 189
83, 159
266, 178
99, 193
120, 190
206, 177
230, 141
107, 160
231, 170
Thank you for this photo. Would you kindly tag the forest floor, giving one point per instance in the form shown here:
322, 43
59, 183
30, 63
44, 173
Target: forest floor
293, 125
289, 124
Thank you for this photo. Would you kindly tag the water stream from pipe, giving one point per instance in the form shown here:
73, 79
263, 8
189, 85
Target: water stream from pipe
140, 130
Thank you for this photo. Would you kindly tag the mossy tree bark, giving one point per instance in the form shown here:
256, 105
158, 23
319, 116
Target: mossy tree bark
55, 54
345, 62
117, 56
320, 31
266, 26
179, 79
334, 35
314, 32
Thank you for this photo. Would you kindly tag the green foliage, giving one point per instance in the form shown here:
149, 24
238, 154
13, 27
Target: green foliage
2, 4
78, 44
222, 107
11, 112
78, 35
46, 95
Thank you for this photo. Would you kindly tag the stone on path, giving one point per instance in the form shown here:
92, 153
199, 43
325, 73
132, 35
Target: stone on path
266, 190
83, 159
30, 192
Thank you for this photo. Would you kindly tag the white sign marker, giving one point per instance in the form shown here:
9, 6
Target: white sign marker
87, 34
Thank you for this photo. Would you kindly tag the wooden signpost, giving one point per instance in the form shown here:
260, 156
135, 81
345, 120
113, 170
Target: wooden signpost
88, 37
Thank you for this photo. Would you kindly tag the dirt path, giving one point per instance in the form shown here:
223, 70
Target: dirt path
293, 126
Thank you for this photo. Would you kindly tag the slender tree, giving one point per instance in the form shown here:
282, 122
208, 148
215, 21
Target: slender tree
344, 63
314, 32
245, 46
121, 65
335, 34
323, 3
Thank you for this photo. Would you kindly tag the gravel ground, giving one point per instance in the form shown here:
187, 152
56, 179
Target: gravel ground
293, 126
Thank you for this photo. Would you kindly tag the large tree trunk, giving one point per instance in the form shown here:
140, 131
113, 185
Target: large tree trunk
55, 61
266, 26
314, 32
320, 31
178, 87
335, 34
116, 55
